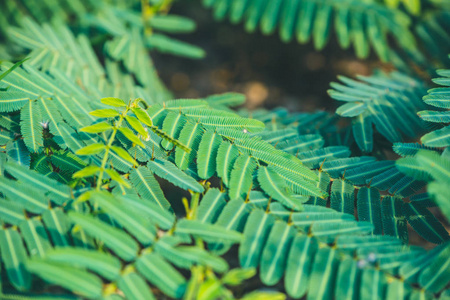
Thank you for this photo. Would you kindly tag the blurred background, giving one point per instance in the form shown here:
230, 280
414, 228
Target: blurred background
271, 73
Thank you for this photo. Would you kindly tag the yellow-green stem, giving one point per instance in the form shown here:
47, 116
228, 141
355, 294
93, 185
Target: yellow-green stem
108, 148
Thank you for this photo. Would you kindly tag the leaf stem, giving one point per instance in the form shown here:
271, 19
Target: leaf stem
108, 147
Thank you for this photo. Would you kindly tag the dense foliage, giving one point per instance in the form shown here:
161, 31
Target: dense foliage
110, 189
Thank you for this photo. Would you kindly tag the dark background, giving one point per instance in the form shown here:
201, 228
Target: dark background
271, 73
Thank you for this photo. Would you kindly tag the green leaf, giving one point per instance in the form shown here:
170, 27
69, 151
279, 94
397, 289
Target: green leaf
38, 181
323, 273
134, 287
147, 187
226, 156
87, 172
165, 44
116, 176
101, 263
11, 212
237, 276
16, 65
30, 118
115, 239
435, 276
342, 196
437, 138
208, 232
299, 263
105, 113
31, 198
434, 164
210, 206
347, 279
275, 253
111, 101
186, 256
372, 283
124, 154
394, 222
256, 232
35, 236
73, 279
173, 124
172, 23
130, 135
134, 223
207, 153
92, 149
241, 176
160, 273
136, 125
14, 258
143, 116
97, 128
170, 172
369, 208
425, 223
58, 226
18, 152
352, 109
271, 183
190, 136
163, 218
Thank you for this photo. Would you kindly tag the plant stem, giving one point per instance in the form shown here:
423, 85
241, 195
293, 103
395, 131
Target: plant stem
108, 148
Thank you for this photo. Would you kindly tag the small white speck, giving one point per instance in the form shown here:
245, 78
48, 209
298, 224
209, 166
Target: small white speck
371, 257
362, 263
44, 124
245, 131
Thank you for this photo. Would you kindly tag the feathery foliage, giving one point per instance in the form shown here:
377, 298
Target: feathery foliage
111, 189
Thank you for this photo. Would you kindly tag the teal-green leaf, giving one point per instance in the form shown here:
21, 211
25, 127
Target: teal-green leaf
101, 263
172, 23
135, 223
14, 258
275, 253
226, 156
208, 232
425, 223
31, 129
352, 109
207, 153
115, 239
211, 206
347, 280
342, 196
39, 181
147, 186
160, 273
271, 183
372, 283
11, 212
134, 287
73, 279
256, 232
241, 176
58, 225
31, 198
162, 217
167, 170
435, 276
299, 264
369, 208
323, 274
190, 136
35, 236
